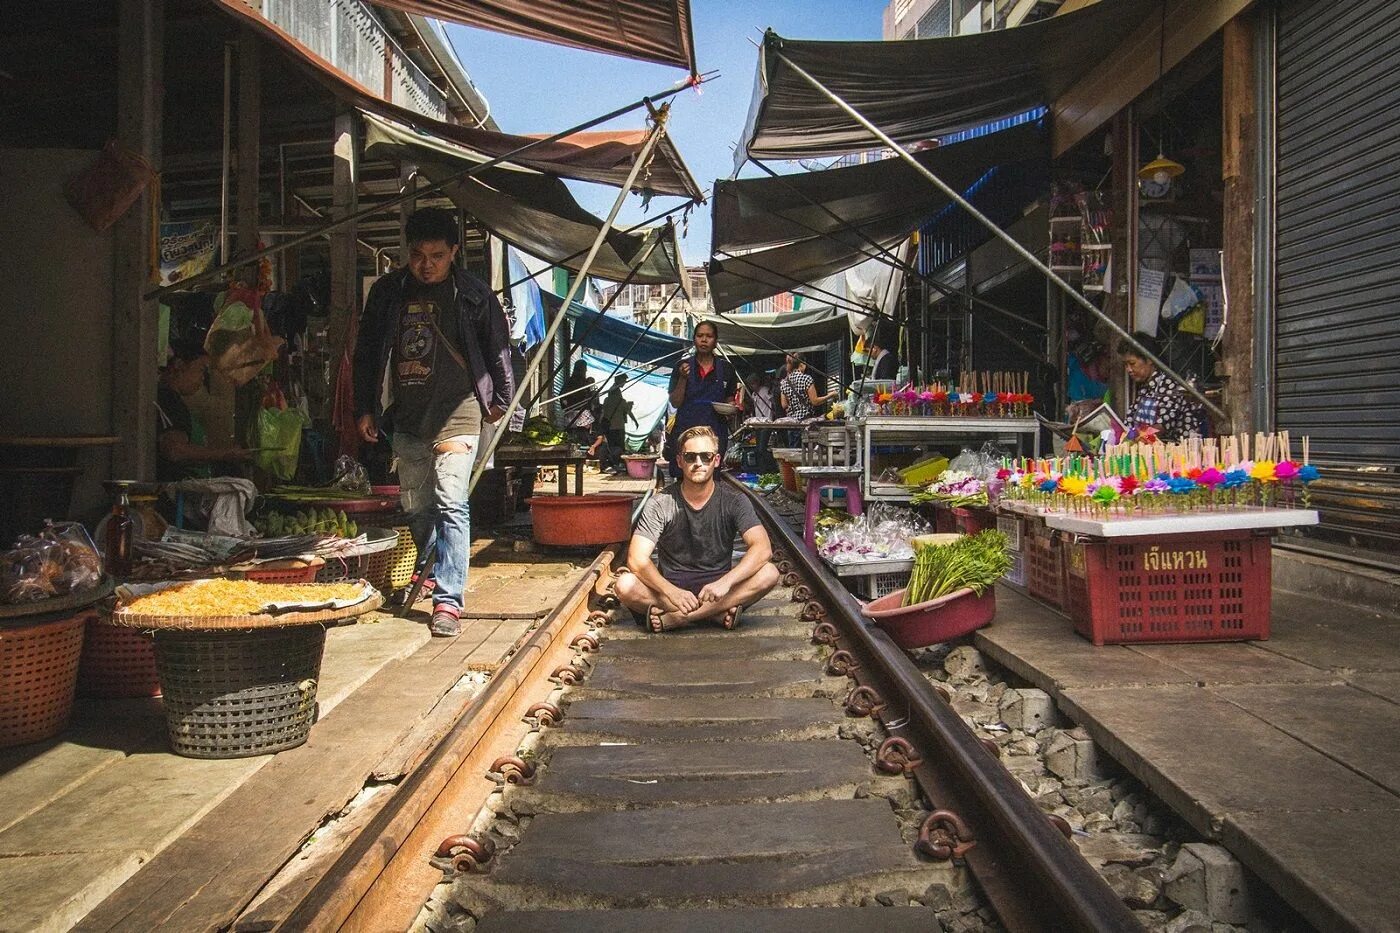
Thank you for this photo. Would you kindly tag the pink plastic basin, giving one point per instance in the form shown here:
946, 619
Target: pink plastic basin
935, 621
577, 521
640, 467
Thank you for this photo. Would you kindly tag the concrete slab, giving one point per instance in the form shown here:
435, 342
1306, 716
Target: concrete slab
1206, 757
1333, 636
686, 677
799, 920
820, 853
707, 650
634, 776
1345, 724
1234, 663
1324, 865
696, 719
1039, 645
1383, 685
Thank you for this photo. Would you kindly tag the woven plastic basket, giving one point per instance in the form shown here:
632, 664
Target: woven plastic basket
38, 678
117, 662
305, 574
403, 558
356, 565
237, 694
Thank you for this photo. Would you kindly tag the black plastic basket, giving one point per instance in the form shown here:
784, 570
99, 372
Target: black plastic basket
239, 693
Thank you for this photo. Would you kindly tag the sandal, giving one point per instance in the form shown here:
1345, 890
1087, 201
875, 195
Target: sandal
659, 620
730, 619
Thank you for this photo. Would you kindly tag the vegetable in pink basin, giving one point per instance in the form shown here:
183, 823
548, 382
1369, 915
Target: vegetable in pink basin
937, 620
577, 521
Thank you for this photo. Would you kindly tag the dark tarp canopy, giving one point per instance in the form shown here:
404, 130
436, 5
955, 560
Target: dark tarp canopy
920, 89
602, 157
786, 241
649, 30
532, 211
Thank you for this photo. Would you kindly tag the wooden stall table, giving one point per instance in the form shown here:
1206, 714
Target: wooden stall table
561, 455
1021, 434
240, 685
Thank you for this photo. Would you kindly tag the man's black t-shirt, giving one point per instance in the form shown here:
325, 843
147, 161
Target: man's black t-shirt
433, 394
695, 540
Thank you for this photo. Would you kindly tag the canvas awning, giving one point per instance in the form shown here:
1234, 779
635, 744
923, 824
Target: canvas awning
649, 30
923, 88
767, 236
530, 210
602, 157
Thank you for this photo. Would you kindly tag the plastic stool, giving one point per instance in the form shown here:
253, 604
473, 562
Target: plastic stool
819, 478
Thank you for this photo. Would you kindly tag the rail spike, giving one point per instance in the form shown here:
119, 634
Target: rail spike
514, 769
463, 853
812, 611
599, 618
841, 663
824, 634
584, 642
547, 714
801, 593
791, 578
864, 701
897, 756
944, 836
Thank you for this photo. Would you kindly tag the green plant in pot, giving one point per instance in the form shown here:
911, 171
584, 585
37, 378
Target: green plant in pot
944, 564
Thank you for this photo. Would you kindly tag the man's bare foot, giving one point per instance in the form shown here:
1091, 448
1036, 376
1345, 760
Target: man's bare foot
730, 620
659, 620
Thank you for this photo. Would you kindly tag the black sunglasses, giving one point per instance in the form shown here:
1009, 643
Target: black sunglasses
699, 456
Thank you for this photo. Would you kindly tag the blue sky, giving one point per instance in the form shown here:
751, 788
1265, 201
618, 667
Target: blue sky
534, 87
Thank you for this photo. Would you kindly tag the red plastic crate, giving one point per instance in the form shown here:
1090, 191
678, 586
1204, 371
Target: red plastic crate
1044, 563
973, 519
1210, 587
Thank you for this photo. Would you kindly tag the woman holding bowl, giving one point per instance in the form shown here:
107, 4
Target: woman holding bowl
701, 381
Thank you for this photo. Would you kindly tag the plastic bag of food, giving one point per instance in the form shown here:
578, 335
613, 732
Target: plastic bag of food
77, 566
350, 475
27, 573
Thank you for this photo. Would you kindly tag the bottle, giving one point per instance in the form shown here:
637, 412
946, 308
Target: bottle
120, 531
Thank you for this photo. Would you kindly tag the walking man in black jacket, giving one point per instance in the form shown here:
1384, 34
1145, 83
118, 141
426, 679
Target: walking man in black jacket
432, 369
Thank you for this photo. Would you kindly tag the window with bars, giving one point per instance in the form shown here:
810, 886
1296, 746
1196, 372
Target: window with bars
937, 22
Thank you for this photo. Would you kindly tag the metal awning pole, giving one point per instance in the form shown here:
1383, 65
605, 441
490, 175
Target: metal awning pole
212, 274
643, 158
1006, 238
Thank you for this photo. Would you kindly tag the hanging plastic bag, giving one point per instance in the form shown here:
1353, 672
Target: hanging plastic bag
239, 342
277, 441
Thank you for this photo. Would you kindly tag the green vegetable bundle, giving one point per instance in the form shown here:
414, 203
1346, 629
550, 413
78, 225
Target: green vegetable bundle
309, 521
541, 433
959, 500
971, 562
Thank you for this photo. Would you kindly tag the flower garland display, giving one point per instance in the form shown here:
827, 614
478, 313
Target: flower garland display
1213, 473
979, 394
953, 488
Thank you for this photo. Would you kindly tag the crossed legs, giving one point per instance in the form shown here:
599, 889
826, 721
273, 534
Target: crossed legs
642, 599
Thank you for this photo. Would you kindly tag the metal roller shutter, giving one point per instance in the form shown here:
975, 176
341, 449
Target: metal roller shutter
1337, 333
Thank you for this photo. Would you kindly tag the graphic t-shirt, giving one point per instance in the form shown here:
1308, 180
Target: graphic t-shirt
433, 394
695, 540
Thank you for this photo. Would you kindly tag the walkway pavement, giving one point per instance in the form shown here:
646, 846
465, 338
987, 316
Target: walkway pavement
106, 806
1287, 751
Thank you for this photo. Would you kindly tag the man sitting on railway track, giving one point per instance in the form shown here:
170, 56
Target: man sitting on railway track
690, 526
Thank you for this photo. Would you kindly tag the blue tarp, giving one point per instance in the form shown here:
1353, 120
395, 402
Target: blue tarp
647, 393
614, 336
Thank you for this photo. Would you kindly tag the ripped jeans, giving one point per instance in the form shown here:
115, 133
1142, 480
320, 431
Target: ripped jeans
433, 490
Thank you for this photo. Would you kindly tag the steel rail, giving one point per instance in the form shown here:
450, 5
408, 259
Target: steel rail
1032, 876
342, 888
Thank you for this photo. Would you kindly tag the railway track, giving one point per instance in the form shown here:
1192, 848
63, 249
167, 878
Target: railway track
796, 774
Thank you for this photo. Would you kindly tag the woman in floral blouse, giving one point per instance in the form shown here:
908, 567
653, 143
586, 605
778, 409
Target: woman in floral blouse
1160, 404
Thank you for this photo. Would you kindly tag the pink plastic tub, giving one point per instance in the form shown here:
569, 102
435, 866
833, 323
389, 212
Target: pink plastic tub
579, 521
642, 467
935, 621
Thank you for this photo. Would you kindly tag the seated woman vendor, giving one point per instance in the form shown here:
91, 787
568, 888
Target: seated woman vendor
181, 451
690, 527
1161, 407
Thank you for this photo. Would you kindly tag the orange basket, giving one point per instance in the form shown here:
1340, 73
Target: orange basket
38, 678
117, 662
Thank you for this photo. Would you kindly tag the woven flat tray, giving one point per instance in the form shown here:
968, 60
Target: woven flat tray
73, 601
249, 622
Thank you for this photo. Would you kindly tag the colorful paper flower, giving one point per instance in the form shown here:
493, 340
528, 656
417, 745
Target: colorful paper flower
1048, 485
1181, 485
1074, 485
1128, 486
1285, 469
1105, 493
1210, 477
990, 398
1234, 479
1263, 471
1155, 487
1308, 473
1003, 473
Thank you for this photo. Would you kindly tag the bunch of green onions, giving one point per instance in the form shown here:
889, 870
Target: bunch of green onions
971, 562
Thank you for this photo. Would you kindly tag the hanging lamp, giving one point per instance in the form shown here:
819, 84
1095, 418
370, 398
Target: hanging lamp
1161, 170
